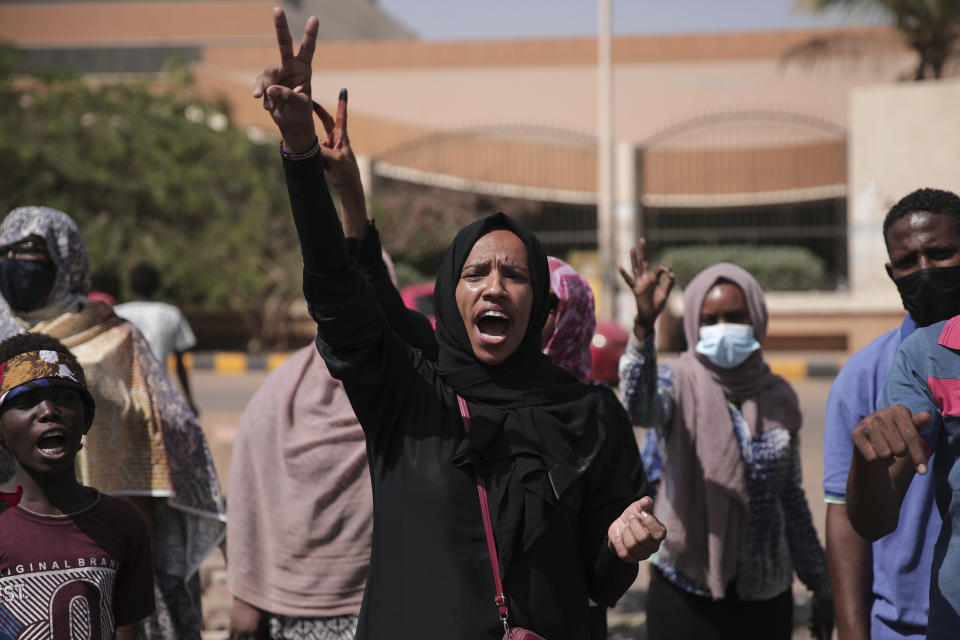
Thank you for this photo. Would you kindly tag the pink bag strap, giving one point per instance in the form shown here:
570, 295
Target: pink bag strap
500, 600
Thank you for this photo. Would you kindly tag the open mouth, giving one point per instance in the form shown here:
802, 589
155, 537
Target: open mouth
493, 326
53, 444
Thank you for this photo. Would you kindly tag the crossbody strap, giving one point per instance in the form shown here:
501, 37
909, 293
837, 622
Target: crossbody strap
500, 600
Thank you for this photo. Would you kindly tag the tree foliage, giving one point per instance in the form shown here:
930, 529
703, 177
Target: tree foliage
930, 27
154, 174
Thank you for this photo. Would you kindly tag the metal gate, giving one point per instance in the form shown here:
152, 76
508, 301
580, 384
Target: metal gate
762, 178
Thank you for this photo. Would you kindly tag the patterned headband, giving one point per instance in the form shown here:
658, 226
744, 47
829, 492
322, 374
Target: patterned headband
52, 366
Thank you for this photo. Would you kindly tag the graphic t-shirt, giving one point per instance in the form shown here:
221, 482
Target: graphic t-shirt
76, 576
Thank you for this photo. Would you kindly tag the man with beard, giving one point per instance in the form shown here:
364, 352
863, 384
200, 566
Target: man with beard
881, 590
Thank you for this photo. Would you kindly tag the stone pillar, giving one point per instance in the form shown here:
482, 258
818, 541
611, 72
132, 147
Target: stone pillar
625, 225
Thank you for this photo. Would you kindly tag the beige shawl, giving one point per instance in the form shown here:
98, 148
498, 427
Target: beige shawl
300, 509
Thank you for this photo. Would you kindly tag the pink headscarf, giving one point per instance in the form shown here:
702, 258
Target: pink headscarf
708, 503
569, 346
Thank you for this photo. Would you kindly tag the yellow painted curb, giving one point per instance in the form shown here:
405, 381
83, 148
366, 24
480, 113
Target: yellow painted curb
790, 369
172, 363
229, 362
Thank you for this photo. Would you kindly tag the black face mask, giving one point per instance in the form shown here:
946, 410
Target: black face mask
931, 295
24, 283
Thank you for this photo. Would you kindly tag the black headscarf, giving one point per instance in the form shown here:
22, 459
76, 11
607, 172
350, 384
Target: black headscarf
526, 377
535, 428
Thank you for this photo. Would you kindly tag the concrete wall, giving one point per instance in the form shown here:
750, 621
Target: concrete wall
902, 137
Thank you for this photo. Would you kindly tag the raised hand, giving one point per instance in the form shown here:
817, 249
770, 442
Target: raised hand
285, 87
339, 161
636, 534
342, 170
650, 289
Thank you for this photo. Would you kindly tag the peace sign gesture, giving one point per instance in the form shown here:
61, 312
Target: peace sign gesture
285, 87
651, 294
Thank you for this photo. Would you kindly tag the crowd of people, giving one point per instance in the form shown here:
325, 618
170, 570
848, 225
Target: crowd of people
468, 480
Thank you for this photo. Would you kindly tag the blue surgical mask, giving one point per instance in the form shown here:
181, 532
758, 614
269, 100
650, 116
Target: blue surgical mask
727, 345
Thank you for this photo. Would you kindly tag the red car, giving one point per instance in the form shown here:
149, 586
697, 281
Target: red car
608, 344
419, 297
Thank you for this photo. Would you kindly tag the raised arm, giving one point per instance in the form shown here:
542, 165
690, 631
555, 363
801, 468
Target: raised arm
342, 170
363, 241
285, 90
646, 390
285, 87
352, 335
650, 289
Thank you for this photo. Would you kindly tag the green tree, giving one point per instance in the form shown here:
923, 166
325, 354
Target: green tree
154, 173
930, 27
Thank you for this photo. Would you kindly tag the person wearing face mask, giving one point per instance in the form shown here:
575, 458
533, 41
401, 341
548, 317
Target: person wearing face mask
882, 588
724, 452
26, 274
146, 445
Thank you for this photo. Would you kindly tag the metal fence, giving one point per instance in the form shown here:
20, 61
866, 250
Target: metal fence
763, 178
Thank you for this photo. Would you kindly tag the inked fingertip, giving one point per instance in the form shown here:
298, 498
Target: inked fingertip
343, 94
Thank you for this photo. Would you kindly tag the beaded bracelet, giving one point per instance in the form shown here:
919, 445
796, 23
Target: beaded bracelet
300, 156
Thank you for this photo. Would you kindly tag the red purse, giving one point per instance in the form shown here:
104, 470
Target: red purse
516, 633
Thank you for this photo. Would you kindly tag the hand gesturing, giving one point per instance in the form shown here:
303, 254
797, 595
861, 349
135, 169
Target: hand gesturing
636, 534
893, 432
285, 87
339, 161
650, 293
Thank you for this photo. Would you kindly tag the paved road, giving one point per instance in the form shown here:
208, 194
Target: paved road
222, 397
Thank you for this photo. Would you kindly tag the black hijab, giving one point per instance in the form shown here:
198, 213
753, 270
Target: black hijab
534, 427
527, 377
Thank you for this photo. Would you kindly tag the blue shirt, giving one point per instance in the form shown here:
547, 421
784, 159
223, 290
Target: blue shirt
926, 377
900, 598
